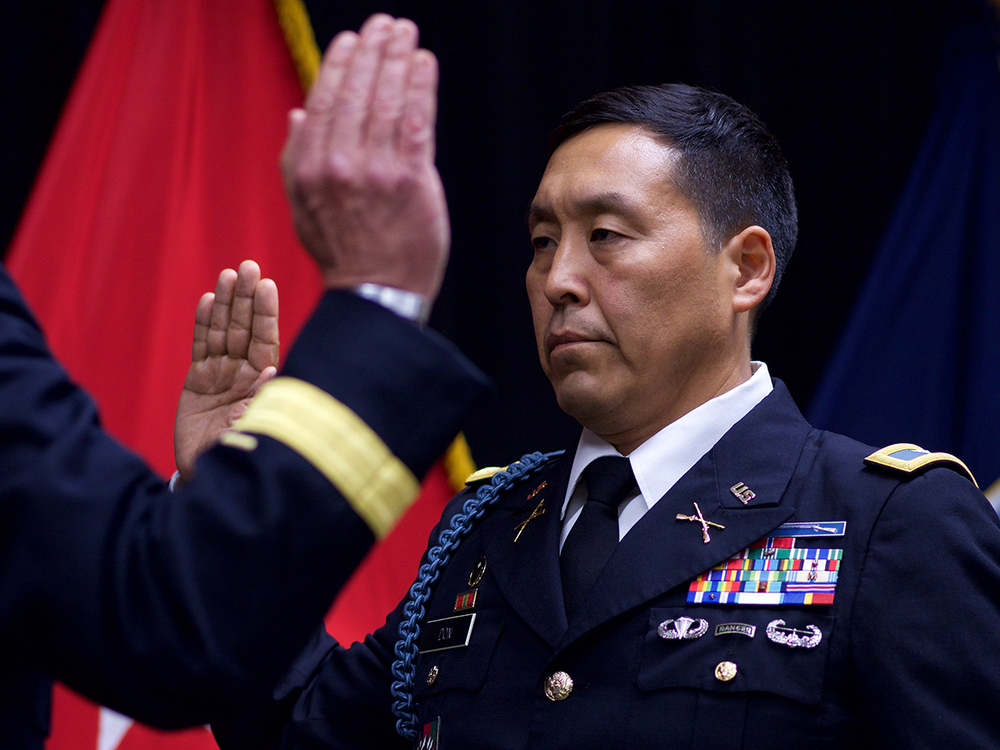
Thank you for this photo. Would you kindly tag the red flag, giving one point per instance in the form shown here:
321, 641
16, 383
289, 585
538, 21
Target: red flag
164, 170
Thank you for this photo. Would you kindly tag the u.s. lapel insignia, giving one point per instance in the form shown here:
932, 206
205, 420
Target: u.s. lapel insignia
477, 572
538, 511
775, 571
699, 518
778, 632
742, 493
680, 629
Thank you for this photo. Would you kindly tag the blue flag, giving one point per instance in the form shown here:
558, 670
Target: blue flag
919, 361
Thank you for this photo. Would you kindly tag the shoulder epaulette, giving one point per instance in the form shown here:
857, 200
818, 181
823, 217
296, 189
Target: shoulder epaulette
483, 475
907, 458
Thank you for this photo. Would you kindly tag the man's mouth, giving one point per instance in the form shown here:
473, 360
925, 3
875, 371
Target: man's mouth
566, 338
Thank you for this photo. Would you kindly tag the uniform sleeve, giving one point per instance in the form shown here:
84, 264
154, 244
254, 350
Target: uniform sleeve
177, 608
333, 698
347, 703
925, 639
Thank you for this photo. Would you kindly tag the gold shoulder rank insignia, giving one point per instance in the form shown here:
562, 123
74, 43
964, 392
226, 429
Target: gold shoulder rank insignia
483, 475
910, 459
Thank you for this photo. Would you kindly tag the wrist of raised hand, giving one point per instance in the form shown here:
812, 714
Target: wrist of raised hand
410, 305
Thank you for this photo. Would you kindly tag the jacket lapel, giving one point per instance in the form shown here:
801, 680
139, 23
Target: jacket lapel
527, 571
661, 552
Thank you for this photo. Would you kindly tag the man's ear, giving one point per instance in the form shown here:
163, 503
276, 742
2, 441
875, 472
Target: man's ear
751, 255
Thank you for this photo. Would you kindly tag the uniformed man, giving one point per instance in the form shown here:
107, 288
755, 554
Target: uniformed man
702, 568
176, 608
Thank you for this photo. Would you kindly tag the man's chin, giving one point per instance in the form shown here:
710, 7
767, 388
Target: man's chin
582, 398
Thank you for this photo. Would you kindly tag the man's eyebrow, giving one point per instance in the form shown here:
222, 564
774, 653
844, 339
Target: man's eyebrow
537, 213
603, 203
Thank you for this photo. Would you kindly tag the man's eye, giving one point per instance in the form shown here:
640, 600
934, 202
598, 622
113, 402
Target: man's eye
602, 235
541, 243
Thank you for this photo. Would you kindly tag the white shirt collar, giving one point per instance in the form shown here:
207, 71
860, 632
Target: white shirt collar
667, 456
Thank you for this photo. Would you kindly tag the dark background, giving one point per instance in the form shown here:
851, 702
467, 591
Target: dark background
847, 87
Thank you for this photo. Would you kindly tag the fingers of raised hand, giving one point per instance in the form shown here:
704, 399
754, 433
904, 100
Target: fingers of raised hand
352, 105
338, 104
202, 323
309, 128
264, 343
218, 330
336, 61
416, 136
242, 310
389, 98
359, 102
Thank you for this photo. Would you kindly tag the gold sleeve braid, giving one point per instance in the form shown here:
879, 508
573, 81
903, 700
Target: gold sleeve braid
376, 484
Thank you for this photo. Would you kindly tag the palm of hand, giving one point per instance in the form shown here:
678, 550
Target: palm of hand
235, 351
216, 393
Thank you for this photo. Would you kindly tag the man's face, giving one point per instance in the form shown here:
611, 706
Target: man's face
633, 313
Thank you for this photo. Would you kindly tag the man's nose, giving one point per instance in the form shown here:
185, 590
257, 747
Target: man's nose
566, 282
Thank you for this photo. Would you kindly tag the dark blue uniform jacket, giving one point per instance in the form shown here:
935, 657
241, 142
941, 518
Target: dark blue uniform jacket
907, 656
177, 608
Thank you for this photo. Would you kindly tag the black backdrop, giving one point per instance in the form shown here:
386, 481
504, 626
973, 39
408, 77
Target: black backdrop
847, 87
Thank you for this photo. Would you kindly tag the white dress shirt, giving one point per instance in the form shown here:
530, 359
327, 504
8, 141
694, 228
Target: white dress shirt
667, 456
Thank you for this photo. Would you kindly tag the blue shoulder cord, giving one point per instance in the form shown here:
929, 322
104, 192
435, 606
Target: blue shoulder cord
404, 667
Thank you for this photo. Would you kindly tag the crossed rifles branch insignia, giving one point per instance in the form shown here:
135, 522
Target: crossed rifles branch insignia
699, 518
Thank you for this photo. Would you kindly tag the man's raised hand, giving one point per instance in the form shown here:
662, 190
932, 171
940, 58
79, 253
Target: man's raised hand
358, 165
235, 351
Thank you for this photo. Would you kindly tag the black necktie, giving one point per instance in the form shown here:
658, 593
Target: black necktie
595, 534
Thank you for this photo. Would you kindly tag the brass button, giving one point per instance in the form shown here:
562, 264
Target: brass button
432, 676
725, 671
558, 686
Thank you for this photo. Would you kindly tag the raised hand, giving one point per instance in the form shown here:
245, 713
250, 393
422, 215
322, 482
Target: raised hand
358, 165
235, 351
